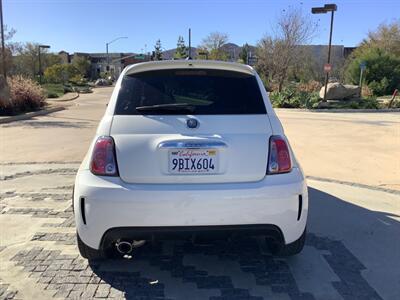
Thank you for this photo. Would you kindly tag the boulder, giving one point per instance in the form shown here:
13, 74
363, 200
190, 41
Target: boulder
101, 82
338, 91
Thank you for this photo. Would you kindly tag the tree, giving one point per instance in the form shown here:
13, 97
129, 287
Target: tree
181, 49
380, 51
279, 51
244, 53
50, 59
157, 55
382, 74
82, 64
213, 45
202, 53
60, 73
10, 48
219, 55
26, 60
385, 37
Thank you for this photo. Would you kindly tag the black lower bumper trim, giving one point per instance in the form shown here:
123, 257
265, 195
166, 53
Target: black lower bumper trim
183, 232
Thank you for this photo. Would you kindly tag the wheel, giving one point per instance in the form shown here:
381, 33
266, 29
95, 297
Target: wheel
88, 252
289, 249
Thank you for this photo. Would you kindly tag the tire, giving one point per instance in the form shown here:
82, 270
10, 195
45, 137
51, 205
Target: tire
88, 252
289, 249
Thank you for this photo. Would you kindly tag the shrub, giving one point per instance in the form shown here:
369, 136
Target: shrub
396, 103
357, 104
313, 100
68, 88
382, 74
315, 105
60, 73
78, 80
53, 90
293, 98
25, 95
103, 75
369, 104
354, 104
367, 92
361, 104
271, 86
309, 87
283, 99
379, 87
82, 64
52, 95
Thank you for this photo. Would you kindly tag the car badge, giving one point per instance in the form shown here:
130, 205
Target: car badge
192, 123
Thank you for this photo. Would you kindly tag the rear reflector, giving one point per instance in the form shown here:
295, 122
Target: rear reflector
300, 207
279, 156
83, 214
103, 157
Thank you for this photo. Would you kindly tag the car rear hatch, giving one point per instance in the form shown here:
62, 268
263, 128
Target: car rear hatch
185, 126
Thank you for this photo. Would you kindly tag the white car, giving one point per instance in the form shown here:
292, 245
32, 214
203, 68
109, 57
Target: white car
187, 148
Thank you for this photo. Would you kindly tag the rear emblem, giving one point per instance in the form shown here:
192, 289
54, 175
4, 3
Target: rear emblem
192, 123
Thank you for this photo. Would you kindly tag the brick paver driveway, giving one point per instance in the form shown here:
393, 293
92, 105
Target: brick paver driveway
352, 250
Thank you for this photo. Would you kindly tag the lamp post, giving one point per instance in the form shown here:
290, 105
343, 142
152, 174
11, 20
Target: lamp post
108, 57
190, 44
323, 10
40, 61
3, 47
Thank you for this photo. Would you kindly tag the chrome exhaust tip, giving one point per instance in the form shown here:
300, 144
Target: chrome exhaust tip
124, 247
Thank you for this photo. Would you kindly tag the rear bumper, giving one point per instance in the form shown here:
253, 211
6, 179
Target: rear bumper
106, 204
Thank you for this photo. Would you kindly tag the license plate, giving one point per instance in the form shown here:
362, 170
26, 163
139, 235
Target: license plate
193, 161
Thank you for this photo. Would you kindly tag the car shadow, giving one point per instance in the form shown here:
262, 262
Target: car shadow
48, 124
344, 243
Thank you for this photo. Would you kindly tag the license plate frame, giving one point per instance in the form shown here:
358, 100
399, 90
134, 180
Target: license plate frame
193, 161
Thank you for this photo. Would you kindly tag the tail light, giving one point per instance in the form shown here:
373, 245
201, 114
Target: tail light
103, 157
279, 156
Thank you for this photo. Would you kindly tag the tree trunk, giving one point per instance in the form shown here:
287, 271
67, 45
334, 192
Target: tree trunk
4, 91
280, 86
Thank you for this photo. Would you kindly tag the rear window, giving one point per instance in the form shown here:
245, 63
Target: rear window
188, 91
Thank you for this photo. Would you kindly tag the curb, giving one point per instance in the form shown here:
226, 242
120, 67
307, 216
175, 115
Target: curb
30, 115
54, 100
102, 86
341, 110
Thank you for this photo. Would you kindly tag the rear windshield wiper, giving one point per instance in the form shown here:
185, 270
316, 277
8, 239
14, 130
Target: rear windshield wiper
168, 107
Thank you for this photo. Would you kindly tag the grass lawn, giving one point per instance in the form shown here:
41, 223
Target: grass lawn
54, 90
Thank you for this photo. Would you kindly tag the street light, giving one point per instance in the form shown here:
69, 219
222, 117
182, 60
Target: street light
108, 57
190, 44
323, 10
40, 61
